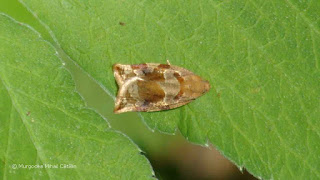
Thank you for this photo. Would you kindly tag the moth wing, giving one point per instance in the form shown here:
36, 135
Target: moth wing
181, 70
174, 105
145, 107
127, 75
122, 72
124, 104
151, 107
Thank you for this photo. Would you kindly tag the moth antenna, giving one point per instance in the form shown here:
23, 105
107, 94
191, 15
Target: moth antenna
168, 62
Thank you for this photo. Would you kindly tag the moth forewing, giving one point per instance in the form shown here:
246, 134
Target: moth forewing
155, 87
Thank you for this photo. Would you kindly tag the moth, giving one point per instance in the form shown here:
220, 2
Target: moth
155, 87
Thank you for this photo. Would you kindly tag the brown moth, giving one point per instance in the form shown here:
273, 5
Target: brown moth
155, 87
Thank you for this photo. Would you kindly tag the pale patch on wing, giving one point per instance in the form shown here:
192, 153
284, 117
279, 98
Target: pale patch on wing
171, 87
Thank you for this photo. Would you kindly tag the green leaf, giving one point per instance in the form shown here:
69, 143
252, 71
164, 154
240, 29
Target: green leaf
261, 58
45, 122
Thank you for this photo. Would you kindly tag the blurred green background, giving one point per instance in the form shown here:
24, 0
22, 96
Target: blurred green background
171, 156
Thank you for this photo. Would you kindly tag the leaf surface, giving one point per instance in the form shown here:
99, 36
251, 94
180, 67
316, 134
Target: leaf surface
46, 131
261, 58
